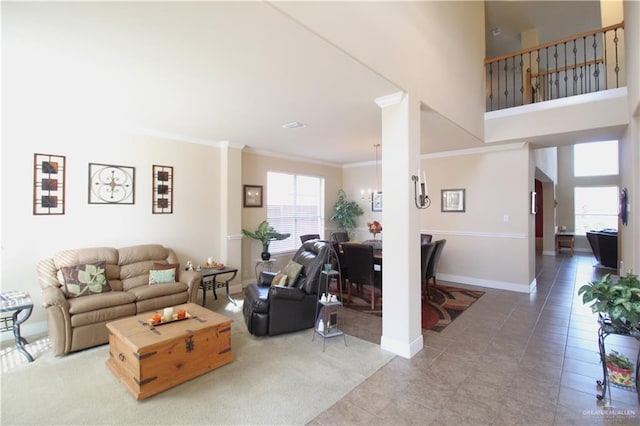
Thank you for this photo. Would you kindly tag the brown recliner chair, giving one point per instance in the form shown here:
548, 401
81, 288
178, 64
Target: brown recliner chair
270, 310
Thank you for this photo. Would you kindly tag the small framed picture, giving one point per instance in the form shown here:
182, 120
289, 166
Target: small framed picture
453, 200
252, 195
376, 202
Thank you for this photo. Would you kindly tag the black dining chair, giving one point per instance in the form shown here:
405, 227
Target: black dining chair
425, 238
308, 237
426, 254
433, 263
358, 259
340, 237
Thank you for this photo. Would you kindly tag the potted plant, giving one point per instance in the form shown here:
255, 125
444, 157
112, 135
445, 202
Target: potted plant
345, 212
265, 234
620, 368
618, 300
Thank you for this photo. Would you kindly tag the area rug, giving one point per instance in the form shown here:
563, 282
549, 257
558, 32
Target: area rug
447, 303
286, 379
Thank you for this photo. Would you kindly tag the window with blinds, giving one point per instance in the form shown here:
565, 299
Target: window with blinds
295, 205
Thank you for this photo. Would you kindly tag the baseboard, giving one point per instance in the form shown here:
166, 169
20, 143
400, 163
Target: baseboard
405, 350
481, 282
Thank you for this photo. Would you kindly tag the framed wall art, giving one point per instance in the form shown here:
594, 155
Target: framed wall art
376, 202
162, 190
252, 195
453, 200
110, 184
48, 184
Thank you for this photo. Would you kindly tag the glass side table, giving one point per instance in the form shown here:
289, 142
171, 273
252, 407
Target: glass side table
19, 305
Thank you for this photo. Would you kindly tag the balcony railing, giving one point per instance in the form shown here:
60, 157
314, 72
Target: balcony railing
584, 63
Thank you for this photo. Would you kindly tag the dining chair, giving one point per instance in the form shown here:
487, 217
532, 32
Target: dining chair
340, 236
426, 253
425, 238
359, 262
433, 263
307, 237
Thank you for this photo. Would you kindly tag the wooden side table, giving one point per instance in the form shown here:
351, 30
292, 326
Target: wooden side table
565, 240
20, 306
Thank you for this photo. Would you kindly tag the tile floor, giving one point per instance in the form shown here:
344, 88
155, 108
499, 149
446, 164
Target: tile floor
510, 359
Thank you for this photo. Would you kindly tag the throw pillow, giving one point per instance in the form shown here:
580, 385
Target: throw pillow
161, 266
162, 276
292, 270
85, 279
280, 279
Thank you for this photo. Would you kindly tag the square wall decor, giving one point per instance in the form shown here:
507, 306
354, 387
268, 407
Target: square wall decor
162, 190
48, 184
110, 184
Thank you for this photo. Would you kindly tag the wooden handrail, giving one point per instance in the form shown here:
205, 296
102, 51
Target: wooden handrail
553, 43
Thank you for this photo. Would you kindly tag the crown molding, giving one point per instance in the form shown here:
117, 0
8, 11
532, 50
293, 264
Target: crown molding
250, 150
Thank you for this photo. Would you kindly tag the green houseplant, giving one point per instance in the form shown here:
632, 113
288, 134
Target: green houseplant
620, 300
345, 212
265, 234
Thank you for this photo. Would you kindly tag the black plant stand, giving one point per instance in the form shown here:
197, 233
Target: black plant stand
607, 327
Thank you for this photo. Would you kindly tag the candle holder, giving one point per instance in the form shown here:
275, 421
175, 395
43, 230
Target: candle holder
421, 199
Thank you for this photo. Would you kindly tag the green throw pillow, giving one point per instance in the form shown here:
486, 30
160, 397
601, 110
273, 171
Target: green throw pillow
292, 270
85, 279
162, 276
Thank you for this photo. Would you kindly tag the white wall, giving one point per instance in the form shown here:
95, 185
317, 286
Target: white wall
192, 230
254, 172
403, 41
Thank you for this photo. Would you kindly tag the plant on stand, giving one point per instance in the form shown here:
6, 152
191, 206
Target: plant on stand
345, 212
617, 302
265, 234
620, 368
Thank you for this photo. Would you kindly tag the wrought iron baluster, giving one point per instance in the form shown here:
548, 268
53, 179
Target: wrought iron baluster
506, 83
596, 72
522, 79
538, 76
617, 68
587, 84
557, 72
548, 89
490, 86
566, 71
575, 65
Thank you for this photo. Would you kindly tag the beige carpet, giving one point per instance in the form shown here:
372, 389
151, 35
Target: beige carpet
276, 380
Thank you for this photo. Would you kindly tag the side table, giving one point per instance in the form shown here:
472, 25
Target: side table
20, 306
264, 265
210, 281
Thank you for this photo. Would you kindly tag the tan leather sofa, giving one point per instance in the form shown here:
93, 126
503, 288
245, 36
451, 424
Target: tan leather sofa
79, 322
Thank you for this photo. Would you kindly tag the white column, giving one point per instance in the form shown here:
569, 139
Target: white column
231, 209
401, 281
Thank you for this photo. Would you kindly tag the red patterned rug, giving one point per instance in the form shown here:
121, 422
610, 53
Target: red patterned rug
447, 303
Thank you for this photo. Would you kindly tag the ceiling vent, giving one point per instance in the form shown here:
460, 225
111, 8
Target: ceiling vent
294, 125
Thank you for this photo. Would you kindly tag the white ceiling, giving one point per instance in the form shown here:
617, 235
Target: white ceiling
222, 71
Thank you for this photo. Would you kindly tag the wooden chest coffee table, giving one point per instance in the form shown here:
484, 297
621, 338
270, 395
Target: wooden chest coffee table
150, 359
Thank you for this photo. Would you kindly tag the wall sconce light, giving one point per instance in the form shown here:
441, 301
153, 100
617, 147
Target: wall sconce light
421, 197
